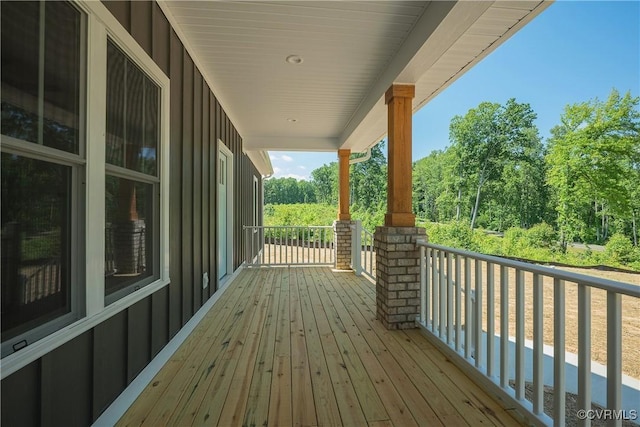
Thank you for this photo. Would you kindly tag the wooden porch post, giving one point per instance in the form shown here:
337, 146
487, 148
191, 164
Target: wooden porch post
397, 256
342, 226
399, 186
343, 182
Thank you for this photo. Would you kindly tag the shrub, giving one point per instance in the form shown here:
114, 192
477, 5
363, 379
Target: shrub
620, 250
486, 243
541, 236
514, 242
456, 234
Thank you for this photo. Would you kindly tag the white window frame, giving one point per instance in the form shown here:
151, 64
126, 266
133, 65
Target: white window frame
100, 25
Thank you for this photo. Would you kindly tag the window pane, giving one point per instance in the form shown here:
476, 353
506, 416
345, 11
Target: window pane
36, 235
132, 115
41, 73
129, 233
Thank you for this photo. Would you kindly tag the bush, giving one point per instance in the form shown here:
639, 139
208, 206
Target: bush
370, 218
620, 250
514, 242
541, 236
486, 243
299, 214
456, 234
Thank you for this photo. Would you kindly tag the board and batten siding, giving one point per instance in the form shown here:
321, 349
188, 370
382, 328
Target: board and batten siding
73, 384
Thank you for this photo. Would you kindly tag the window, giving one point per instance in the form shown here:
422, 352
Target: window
132, 179
84, 179
42, 167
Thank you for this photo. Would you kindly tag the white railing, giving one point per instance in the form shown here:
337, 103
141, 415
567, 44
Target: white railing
363, 258
455, 284
289, 245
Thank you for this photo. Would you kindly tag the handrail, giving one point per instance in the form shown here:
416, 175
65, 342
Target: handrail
596, 282
289, 245
456, 285
362, 241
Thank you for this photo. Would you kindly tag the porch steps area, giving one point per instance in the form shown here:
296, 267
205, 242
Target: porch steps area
301, 346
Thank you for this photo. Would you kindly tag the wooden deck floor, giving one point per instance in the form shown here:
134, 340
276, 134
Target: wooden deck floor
301, 346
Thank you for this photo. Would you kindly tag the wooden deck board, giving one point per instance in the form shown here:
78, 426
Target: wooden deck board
473, 403
301, 346
304, 410
320, 380
168, 385
280, 413
350, 410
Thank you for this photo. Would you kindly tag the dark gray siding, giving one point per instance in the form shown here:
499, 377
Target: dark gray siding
21, 397
75, 383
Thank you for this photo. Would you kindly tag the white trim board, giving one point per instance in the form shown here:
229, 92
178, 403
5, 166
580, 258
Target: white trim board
123, 402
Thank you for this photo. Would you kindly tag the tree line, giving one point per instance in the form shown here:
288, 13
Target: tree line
498, 173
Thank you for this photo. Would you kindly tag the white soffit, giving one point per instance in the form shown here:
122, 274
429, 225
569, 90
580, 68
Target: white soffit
351, 51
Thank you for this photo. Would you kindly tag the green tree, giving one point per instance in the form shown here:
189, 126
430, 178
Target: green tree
368, 180
593, 161
325, 181
484, 140
288, 191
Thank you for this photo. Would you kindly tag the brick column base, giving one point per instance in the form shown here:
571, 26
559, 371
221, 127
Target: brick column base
342, 233
398, 275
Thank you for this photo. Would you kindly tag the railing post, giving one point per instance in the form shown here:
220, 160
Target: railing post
504, 327
559, 411
251, 248
538, 343
520, 317
423, 287
614, 353
246, 245
584, 351
356, 249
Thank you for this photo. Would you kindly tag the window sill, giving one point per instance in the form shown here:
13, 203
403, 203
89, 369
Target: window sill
32, 352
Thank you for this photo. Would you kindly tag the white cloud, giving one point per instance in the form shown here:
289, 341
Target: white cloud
276, 170
293, 175
287, 158
273, 156
302, 167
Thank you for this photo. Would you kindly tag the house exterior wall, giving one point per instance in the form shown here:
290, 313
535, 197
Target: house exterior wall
73, 384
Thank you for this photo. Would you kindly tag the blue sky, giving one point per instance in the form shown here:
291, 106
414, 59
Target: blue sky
574, 51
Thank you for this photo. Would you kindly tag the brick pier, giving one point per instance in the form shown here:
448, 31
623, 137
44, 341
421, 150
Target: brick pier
342, 231
398, 275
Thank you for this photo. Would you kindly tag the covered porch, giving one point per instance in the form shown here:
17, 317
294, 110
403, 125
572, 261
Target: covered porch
301, 346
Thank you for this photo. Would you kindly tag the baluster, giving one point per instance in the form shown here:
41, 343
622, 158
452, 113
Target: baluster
443, 294
520, 335
504, 327
584, 351
449, 298
468, 329
538, 343
558, 353
436, 292
478, 314
490, 320
423, 286
458, 304
614, 353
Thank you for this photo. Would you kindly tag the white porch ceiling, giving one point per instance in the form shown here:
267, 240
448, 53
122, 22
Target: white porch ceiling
352, 52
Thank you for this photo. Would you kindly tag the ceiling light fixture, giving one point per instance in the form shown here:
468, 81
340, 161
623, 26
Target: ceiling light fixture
294, 59
292, 120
